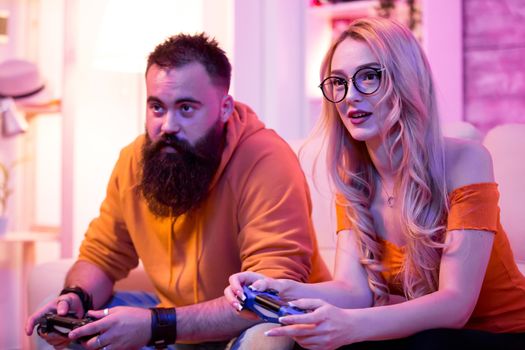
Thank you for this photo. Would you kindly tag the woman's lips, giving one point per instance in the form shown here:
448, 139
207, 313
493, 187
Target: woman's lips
358, 117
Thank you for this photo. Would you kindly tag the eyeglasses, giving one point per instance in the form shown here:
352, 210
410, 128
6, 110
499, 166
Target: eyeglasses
366, 80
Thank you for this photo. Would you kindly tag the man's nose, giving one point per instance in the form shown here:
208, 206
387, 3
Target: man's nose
170, 124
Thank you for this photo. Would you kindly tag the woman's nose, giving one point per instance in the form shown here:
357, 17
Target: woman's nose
353, 95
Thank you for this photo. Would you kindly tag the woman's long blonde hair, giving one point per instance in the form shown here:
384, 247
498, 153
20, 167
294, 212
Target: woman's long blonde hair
413, 133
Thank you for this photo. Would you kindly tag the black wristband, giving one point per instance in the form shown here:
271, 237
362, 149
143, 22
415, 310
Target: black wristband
85, 298
163, 327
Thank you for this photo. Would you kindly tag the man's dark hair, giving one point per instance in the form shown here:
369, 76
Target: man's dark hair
182, 49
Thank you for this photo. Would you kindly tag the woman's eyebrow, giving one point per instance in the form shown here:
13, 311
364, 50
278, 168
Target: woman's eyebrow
342, 72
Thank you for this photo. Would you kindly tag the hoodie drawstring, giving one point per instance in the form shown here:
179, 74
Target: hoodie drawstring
196, 273
196, 261
170, 250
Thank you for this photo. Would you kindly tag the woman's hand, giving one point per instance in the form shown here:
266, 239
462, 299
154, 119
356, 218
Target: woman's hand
234, 293
325, 327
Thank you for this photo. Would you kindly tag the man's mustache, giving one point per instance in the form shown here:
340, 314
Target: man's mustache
170, 140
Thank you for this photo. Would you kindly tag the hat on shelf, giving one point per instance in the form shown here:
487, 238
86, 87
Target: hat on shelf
21, 81
20, 85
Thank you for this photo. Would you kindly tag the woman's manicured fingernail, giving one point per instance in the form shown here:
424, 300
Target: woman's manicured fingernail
240, 295
284, 320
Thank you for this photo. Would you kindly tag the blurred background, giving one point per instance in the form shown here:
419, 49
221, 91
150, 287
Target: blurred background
92, 54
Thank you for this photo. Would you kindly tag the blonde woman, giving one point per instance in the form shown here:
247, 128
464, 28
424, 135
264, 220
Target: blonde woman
421, 258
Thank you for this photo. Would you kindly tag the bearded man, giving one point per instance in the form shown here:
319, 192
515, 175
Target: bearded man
206, 192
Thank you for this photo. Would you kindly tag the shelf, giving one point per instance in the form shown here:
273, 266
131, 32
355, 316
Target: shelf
29, 236
345, 9
53, 106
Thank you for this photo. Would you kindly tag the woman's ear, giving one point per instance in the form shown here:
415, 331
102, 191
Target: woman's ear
226, 108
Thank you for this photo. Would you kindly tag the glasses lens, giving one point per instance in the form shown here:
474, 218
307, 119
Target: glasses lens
334, 89
367, 80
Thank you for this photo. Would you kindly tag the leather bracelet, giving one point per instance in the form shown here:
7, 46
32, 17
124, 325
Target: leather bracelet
85, 298
163, 327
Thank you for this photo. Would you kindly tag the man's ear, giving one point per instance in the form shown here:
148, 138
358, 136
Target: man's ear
226, 108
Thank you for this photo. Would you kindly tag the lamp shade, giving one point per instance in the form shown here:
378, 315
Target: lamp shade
130, 30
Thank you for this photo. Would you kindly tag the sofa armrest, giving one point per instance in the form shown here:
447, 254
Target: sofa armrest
47, 279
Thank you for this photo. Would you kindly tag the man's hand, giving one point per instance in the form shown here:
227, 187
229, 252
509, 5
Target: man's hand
121, 327
62, 305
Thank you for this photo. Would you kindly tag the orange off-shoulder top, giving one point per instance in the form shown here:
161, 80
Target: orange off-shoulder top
501, 303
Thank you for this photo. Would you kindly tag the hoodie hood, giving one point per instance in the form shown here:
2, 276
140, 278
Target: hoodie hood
242, 124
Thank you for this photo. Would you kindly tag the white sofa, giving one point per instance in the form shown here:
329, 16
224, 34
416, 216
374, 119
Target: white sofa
312, 157
506, 144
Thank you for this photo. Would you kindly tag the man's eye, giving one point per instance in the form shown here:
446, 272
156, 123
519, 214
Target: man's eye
156, 108
186, 109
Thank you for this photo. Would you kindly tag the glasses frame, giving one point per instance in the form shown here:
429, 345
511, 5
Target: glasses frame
377, 70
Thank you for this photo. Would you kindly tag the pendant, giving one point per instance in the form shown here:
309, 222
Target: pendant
390, 201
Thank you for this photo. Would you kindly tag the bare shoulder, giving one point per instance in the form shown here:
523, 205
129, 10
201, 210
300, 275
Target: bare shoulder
466, 162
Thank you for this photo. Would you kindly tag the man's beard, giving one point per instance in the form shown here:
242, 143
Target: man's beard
175, 183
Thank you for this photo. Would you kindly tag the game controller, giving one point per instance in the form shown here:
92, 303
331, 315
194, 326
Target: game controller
62, 325
268, 305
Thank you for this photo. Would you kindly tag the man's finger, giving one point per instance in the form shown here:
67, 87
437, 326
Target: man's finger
63, 305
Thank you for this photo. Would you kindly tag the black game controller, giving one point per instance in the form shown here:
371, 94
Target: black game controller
62, 325
267, 305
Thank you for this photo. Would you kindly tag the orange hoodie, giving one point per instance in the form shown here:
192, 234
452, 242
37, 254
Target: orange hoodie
256, 218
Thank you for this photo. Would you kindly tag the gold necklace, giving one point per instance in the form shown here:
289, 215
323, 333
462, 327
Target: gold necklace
390, 201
